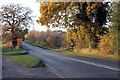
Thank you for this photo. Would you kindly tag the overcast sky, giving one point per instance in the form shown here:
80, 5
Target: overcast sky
33, 5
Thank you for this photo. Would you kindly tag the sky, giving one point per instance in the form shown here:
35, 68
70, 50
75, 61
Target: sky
33, 5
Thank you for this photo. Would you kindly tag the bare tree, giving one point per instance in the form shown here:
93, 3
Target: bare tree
18, 18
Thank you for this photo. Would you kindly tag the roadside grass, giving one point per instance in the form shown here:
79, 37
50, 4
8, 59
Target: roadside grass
57, 49
79, 53
26, 61
41, 45
44, 46
20, 57
94, 55
8, 51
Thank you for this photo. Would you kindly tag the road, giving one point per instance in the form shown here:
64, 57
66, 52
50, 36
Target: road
71, 66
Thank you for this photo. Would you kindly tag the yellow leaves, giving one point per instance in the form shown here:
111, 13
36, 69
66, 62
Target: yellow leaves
82, 29
68, 36
43, 7
44, 20
26, 36
72, 4
107, 43
92, 8
51, 6
93, 30
48, 10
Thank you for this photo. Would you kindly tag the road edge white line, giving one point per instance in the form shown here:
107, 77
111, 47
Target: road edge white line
91, 63
54, 71
87, 62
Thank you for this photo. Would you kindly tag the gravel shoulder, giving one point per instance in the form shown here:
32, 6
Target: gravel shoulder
13, 70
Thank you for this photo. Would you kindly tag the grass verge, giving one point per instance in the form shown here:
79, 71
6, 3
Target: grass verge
20, 51
95, 55
26, 61
44, 46
87, 54
41, 45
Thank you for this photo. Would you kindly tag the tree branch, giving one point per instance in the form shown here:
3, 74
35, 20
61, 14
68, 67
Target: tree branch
7, 22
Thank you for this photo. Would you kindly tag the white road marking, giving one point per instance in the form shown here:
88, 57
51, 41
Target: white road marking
87, 62
54, 71
94, 64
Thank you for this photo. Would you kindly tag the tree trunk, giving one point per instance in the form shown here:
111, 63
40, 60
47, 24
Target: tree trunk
14, 41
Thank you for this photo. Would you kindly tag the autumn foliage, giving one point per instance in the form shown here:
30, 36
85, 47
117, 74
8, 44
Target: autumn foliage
108, 44
19, 42
49, 38
15, 20
9, 45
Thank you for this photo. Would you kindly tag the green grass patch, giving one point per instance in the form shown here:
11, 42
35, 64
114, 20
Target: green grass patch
26, 61
8, 51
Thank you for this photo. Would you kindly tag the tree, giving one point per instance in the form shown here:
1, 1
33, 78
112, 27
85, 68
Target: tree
92, 16
49, 38
17, 18
109, 43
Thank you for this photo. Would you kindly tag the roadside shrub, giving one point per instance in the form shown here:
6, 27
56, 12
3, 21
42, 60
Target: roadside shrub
108, 44
9, 45
19, 42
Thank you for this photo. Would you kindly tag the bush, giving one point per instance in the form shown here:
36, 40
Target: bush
26, 61
9, 45
49, 38
108, 44
19, 42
